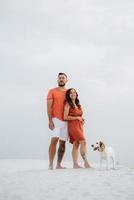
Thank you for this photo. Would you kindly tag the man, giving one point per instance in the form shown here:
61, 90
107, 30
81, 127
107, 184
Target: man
57, 125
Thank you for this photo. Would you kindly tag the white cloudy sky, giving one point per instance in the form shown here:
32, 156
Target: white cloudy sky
90, 40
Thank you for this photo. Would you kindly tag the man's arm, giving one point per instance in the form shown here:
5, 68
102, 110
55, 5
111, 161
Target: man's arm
49, 113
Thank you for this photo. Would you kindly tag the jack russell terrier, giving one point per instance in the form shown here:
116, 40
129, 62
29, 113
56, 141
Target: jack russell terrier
106, 153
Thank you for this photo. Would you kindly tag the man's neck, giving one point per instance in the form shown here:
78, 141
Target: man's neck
61, 88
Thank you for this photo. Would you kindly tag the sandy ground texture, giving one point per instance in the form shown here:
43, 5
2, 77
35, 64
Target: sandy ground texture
31, 180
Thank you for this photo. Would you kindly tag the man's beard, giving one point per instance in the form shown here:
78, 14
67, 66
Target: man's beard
61, 85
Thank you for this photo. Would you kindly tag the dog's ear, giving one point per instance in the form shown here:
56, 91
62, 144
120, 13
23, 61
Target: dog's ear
101, 143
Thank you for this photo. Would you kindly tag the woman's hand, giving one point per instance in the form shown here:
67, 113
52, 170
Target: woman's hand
83, 121
80, 119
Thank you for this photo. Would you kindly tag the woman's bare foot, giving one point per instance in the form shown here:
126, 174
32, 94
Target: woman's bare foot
87, 165
76, 166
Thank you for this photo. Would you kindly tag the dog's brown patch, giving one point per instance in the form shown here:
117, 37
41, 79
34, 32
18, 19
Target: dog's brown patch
101, 146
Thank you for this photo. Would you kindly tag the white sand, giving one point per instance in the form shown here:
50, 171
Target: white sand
31, 180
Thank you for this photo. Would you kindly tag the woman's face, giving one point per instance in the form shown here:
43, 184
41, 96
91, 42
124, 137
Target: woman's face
73, 94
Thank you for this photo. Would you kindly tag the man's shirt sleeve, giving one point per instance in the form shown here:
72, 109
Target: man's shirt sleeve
50, 95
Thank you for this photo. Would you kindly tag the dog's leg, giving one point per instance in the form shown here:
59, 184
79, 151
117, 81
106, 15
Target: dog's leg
100, 163
108, 163
113, 160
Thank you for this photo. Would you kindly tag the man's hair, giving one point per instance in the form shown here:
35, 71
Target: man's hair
61, 73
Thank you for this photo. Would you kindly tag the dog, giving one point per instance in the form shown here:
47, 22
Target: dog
106, 153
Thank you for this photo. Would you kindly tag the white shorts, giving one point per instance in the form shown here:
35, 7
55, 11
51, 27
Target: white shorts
60, 130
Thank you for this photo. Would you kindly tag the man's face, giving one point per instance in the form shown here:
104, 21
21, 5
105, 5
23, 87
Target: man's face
62, 79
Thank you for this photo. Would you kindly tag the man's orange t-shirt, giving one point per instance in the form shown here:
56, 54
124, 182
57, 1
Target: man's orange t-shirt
58, 97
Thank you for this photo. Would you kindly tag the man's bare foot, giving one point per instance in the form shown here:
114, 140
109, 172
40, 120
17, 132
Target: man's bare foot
60, 167
76, 166
50, 167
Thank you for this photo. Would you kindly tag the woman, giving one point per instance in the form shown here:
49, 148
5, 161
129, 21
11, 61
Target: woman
73, 114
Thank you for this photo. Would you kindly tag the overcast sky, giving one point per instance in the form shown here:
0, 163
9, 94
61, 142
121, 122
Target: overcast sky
90, 40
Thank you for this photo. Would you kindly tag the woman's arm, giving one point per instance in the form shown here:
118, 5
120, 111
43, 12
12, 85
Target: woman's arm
67, 116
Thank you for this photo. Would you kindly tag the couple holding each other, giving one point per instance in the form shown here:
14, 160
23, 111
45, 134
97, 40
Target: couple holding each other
65, 121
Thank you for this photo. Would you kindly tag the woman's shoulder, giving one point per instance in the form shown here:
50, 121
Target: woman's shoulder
67, 105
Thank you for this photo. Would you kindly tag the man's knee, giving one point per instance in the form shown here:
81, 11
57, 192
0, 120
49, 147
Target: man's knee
62, 142
54, 141
62, 145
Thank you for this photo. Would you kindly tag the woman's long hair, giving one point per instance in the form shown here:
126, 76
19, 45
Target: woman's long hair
69, 100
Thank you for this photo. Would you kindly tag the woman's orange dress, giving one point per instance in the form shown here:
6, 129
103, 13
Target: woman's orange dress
75, 127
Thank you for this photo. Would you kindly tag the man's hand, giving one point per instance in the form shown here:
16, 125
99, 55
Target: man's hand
51, 125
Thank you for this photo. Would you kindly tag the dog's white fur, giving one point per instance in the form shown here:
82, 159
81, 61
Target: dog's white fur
106, 153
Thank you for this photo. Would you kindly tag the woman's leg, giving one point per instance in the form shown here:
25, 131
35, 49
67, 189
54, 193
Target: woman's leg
75, 153
83, 153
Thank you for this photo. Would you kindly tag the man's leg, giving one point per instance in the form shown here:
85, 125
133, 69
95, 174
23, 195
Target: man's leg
52, 151
61, 152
